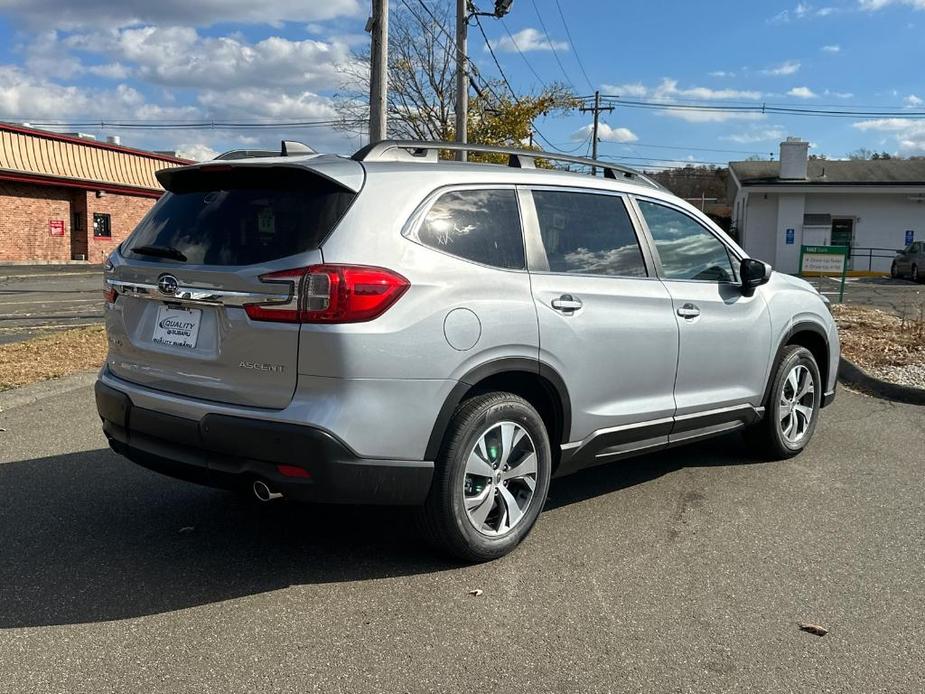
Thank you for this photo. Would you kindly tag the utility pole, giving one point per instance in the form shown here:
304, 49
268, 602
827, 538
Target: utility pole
596, 109
464, 10
462, 75
378, 26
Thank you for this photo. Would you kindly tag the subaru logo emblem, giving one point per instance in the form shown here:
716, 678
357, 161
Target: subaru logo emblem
167, 284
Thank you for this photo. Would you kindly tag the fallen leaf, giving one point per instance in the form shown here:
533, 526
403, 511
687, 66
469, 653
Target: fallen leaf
475, 593
814, 629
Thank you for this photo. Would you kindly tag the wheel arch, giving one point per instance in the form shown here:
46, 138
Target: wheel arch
536, 382
813, 337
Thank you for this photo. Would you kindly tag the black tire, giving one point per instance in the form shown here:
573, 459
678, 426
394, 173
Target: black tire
914, 275
894, 271
766, 438
444, 519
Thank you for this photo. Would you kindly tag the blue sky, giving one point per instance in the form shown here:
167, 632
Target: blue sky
176, 60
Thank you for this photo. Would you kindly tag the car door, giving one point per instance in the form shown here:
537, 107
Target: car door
606, 322
724, 335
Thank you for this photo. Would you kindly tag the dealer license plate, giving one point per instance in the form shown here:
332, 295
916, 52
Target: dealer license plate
177, 327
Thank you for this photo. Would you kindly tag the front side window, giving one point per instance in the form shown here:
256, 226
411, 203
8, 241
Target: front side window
588, 234
478, 225
687, 250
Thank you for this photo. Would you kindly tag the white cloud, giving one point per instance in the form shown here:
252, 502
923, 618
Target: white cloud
802, 93
874, 5
802, 10
769, 134
693, 116
196, 152
908, 132
112, 71
606, 134
834, 48
96, 13
912, 101
635, 89
789, 67
668, 90
838, 95
178, 56
722, 73
528, 39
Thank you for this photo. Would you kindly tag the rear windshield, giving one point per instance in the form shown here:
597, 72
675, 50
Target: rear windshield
241, 216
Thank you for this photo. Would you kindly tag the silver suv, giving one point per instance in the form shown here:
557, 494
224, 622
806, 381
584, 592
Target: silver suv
394, 329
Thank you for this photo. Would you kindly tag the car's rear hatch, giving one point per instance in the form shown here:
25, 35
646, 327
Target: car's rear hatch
181, 282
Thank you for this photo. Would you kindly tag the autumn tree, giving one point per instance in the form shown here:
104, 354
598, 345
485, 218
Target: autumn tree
422, 84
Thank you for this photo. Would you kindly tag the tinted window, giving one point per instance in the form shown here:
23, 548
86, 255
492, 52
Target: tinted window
478, 225
687, 250
588, 234
242, 217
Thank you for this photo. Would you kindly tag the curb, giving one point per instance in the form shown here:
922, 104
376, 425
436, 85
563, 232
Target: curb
35, 392
853, 375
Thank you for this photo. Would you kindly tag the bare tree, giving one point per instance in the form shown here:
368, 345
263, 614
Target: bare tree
421, 100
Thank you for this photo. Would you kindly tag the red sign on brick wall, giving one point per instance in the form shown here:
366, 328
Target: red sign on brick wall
56, 227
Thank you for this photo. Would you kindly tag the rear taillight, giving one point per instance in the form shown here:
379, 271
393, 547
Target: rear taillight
331, 294
109, 293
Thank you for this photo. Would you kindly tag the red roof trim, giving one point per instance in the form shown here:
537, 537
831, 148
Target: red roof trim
84, 185
48, 135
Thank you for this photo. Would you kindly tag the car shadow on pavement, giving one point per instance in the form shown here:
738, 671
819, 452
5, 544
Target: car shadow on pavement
89, 537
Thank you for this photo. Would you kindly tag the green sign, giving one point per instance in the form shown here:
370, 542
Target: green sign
822, 261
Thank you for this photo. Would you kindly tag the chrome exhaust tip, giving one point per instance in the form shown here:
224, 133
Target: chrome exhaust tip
264, 493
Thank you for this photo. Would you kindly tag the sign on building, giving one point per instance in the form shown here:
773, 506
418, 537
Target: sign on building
825, 261
56, 227
910, 236
790, 236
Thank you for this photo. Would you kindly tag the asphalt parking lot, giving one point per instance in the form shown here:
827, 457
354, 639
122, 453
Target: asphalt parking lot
38, 299
686, 571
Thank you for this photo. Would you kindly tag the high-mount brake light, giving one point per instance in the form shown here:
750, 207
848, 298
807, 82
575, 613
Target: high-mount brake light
331, 294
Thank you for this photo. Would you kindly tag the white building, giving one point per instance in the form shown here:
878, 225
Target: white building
875, 207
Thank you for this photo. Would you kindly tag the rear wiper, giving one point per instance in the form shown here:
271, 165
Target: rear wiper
160, 252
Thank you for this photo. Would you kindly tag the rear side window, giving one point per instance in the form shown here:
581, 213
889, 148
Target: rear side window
687, 250
242, 216
478, 225
588, 234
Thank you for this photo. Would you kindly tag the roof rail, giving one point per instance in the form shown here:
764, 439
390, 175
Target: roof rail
414, 150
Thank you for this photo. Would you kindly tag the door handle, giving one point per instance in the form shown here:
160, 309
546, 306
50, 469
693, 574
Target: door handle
566, 303
689, 311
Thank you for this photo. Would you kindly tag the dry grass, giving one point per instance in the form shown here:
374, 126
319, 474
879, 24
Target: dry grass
872, 338
51, 356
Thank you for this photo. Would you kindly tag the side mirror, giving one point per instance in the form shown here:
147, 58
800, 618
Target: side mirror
754, 273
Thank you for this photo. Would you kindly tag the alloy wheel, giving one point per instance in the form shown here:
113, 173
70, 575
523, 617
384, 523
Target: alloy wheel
797, 402
500, 478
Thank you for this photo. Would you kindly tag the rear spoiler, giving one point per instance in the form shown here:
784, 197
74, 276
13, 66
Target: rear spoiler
344, 172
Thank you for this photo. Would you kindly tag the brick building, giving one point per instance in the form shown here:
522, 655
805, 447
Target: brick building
68, 198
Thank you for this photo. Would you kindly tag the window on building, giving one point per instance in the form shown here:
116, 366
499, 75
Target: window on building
478, 225
77, 221
688, 251
588, 234
102, 225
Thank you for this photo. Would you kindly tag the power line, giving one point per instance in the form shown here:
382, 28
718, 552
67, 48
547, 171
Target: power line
491, 51
761, 109
572, 44
551, 43
517, 48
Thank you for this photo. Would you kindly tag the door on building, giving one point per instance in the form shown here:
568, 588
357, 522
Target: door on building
843, 235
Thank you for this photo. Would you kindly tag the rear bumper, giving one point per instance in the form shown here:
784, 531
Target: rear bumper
227, 451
